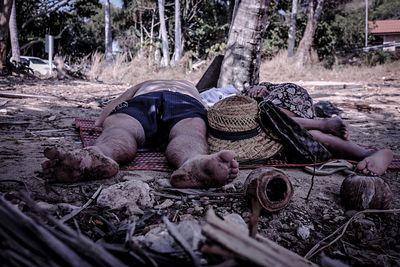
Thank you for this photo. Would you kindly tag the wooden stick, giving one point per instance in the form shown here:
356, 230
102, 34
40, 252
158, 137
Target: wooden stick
235, 240
27, 225
79, 242
12, 95
255, 215
181, 241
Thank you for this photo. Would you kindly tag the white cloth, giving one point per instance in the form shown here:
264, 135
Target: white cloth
213, 95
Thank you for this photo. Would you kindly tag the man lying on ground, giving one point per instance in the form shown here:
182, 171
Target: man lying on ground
154, 113
332, 132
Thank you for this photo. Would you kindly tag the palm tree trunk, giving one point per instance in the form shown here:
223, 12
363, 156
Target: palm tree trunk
292, 29
164, 35
241, 63
5, 12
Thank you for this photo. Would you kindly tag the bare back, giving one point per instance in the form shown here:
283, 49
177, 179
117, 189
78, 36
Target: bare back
180, 86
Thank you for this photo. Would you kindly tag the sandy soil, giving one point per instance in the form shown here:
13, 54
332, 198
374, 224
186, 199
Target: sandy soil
44, 117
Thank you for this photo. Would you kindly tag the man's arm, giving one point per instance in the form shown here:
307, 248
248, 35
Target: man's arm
128, 94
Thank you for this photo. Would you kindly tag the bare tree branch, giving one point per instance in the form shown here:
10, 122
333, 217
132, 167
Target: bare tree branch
48, 9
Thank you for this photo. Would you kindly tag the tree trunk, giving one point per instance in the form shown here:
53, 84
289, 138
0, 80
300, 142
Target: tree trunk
5, 12
164, 35
151, 55
303, 54
152, 32
241, 63
14, 35
292, 29
141, 52
178, 33
107, 30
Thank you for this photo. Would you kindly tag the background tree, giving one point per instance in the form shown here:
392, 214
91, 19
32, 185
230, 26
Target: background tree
385, 9
303, 54
45, 8
178, 33
15, 55
292, 29
107, 31
163, 33
5, 12
242, 57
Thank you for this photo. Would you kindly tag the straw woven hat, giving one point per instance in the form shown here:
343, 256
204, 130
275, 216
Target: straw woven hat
233, 125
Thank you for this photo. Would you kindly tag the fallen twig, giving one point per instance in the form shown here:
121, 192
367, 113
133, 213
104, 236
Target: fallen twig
75, 212
312, 185
316, 249
166, 195
131, 230
13, 95
198, 192
181, 241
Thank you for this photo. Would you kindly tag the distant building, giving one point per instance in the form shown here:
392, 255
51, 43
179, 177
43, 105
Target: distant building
388, 30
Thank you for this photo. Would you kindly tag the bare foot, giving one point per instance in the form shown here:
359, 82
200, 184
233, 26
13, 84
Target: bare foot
206, 170
335, 126
81, 164
377, 163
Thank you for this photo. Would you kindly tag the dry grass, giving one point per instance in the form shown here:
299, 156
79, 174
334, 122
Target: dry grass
135, 71
279, 69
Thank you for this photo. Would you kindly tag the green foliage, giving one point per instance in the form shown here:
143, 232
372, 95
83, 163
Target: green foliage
216, 49
387, 9
276, 36
69, 26
276, 33
325, 44
349, 31
341, 29
376, 57
205, 24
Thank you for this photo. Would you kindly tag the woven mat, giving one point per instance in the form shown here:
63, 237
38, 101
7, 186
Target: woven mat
156, 161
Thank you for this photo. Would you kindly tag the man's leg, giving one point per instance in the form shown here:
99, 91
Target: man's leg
371, 161
188, 151
117, 144
334, 126
121, 136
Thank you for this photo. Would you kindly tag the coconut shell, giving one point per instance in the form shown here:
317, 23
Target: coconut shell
270, 186
365, 192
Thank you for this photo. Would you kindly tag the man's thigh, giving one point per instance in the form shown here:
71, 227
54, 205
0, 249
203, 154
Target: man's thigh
190, 126
127, 123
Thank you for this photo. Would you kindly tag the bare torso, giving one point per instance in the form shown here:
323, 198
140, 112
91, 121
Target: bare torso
180, 86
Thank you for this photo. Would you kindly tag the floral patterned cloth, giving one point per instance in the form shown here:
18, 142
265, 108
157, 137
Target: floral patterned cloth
291, 97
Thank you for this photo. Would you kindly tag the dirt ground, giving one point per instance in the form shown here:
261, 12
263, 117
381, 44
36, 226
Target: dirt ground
43, 117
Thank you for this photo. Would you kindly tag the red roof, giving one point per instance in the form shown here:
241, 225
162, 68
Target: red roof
384, 26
